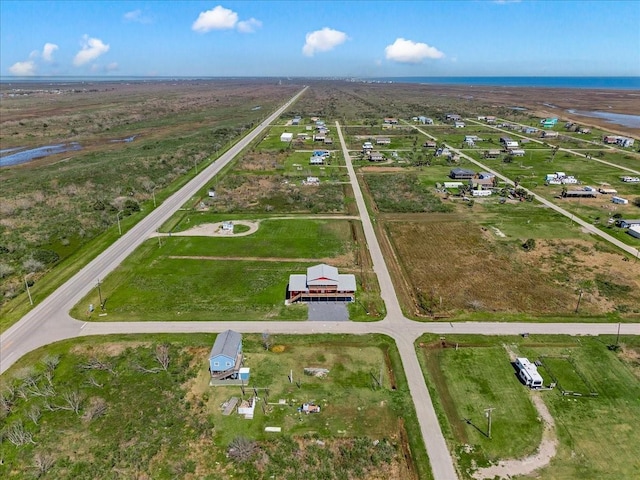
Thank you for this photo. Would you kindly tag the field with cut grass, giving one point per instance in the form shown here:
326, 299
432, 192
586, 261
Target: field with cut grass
478, 375
141, 406
227, 278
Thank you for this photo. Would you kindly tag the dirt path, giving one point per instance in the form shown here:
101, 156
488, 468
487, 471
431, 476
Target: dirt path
546, 451
215, 229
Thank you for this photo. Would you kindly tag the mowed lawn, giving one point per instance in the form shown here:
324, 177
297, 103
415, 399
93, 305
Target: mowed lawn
598, 435
280, 238
188, 278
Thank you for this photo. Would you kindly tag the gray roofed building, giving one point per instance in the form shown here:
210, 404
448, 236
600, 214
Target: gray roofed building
321, 283
226, 353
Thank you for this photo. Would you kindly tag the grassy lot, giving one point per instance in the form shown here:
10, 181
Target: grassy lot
105, 408
478, 375
221, 278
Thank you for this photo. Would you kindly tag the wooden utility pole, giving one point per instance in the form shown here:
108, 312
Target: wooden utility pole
31, 300
487, 412
100, 296
579, 298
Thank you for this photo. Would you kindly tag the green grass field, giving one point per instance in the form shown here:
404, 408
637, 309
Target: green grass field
110, 410
212, 278
478, 375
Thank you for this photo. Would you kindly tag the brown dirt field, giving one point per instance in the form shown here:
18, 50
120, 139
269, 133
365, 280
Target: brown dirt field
451, 267
578, 262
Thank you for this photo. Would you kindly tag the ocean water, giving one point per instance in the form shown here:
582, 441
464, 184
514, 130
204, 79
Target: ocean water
615, 83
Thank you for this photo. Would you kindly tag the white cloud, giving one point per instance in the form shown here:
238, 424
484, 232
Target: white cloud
112, 67
218, 18
136, 16
249, 26
23, 69
322, 41
47, 51
92, 48
407, 51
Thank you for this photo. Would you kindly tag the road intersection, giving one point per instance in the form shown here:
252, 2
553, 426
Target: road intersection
50, 321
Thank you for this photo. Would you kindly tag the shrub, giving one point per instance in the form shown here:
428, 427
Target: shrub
529, 244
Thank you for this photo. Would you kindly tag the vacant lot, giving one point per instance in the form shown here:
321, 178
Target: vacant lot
108, 407
485, 270
477, 375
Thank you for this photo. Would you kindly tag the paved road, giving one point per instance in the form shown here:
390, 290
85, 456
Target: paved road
562, 149
441, 461
49, 321
586, 225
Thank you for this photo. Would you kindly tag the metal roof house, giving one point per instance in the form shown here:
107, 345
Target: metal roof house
225, 358
461, 173
322, 283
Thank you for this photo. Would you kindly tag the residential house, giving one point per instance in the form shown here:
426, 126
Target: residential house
548, 122
549, 134
383, 141
226, 357
319, 137
607, 191
452, 116
530, 130
461, 174
458, 124
376, 157
303, 136
610, 139
634, 231
626, 223
286, 137
491, 153
490, 119
619, 200
425, 120
322, 283
508, 142
296, 120
430, 144
328, 141
390, 121
516, 152
367, 147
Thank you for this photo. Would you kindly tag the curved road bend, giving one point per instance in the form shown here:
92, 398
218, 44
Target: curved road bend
48, 321
587, 226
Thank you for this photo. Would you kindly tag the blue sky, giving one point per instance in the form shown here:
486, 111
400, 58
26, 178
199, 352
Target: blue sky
327, 38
